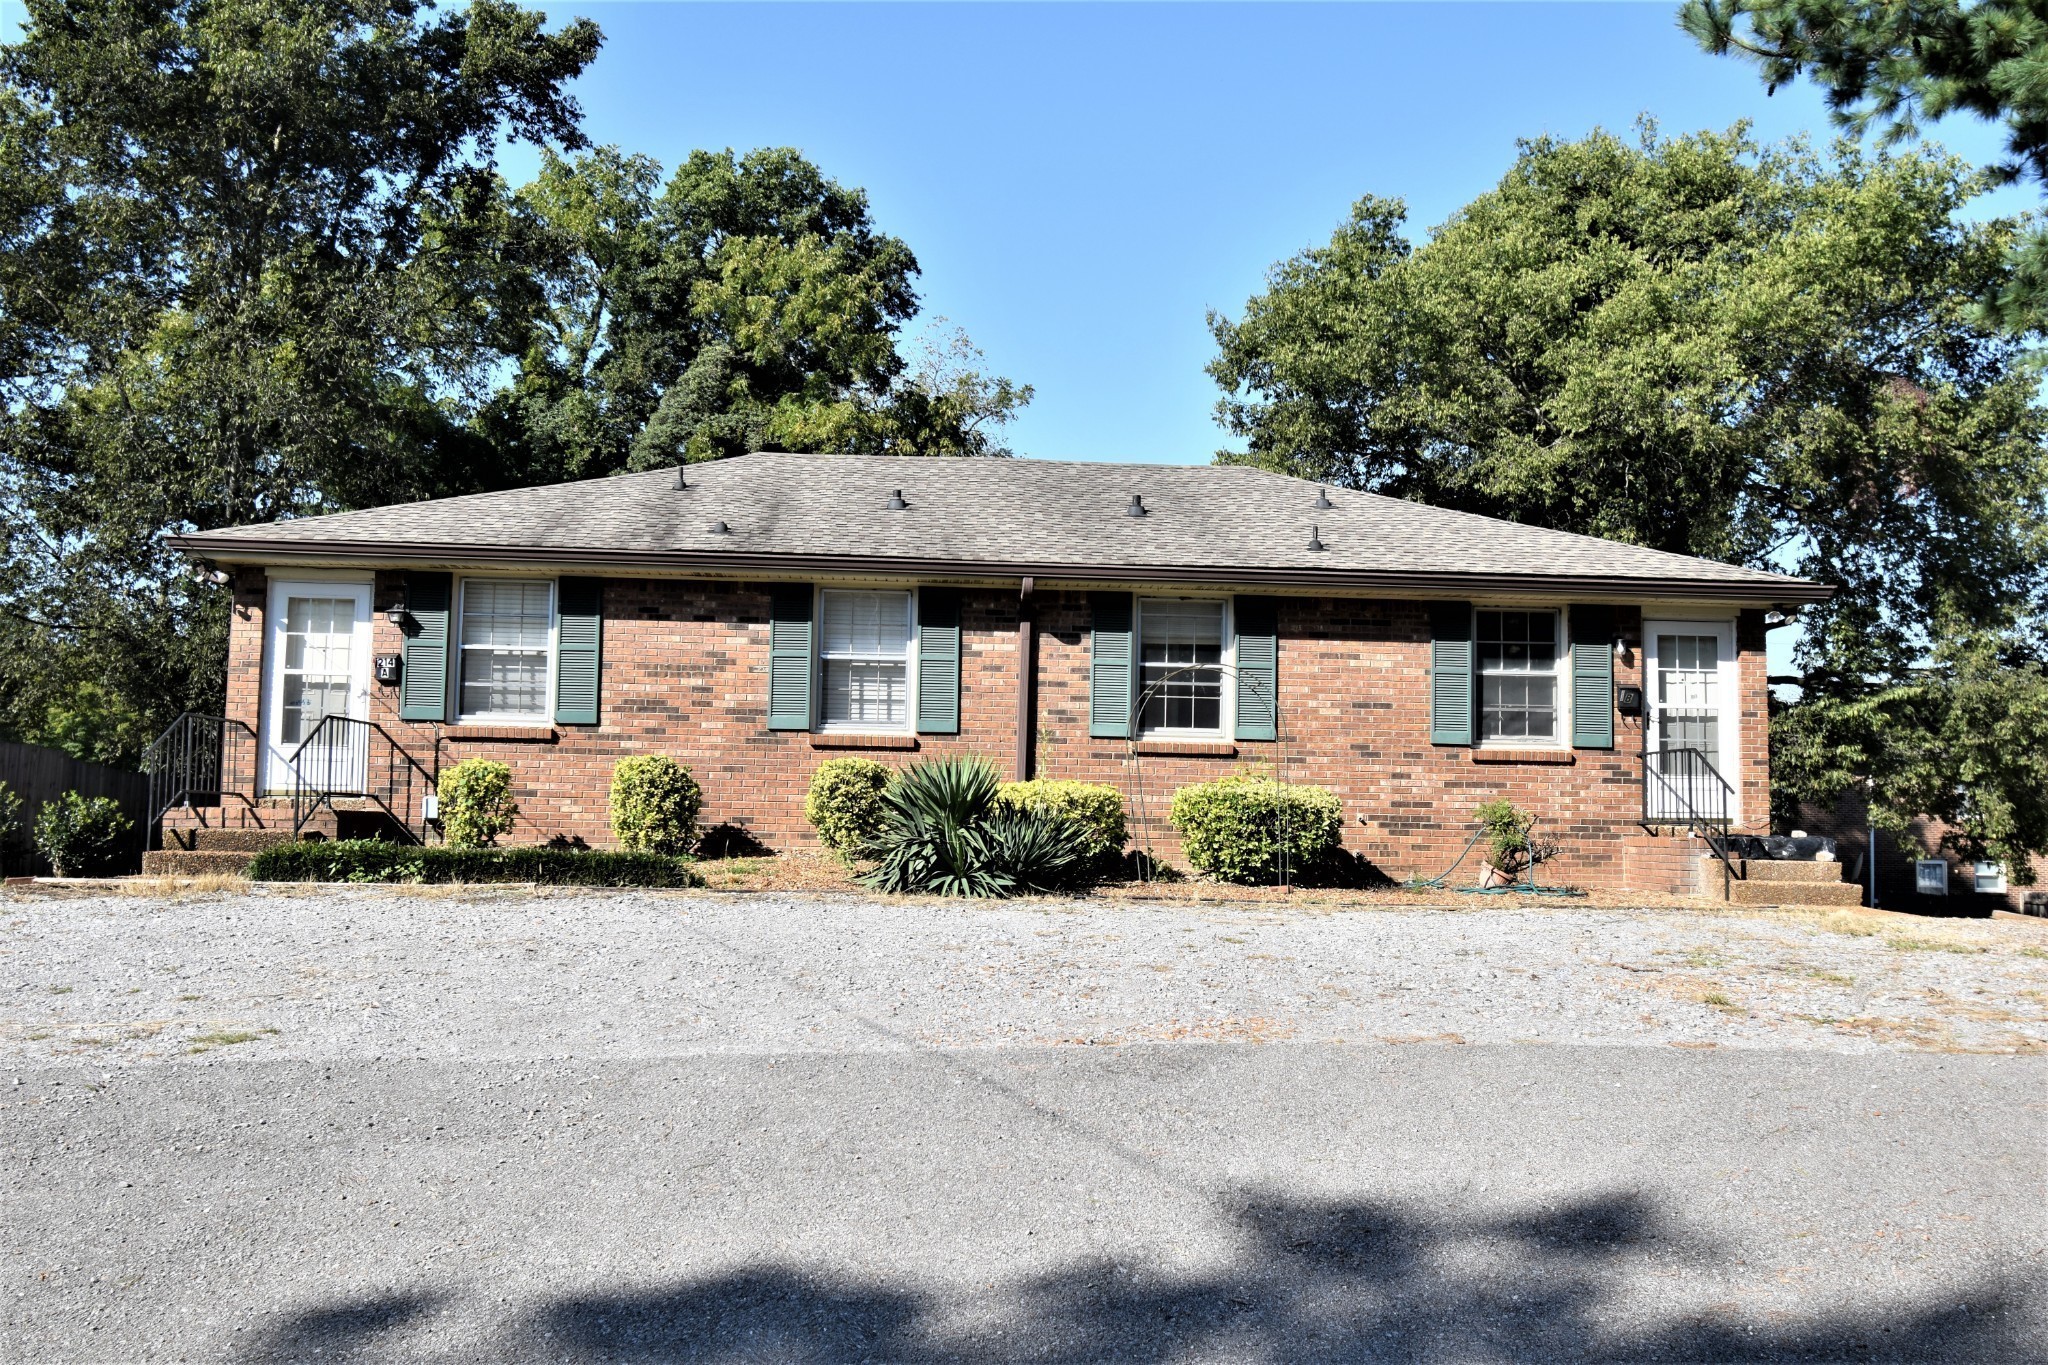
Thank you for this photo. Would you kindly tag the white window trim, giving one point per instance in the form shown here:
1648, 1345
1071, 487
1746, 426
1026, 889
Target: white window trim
1995, 872
910, 651
534, 719
1226, 712
1561, 671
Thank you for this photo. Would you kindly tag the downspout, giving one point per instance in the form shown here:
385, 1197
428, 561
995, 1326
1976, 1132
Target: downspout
1027, 680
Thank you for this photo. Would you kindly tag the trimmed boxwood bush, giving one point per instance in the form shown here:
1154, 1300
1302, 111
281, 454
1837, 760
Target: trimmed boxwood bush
380, 860
81, 835
1095, 806
476, 802
654, 805
1231, 829
845, 803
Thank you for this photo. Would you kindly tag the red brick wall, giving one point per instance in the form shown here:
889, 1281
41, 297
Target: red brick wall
685, 673
1898, 886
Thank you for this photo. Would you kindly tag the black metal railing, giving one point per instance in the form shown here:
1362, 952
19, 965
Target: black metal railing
349, 759
1681, 787
199, 759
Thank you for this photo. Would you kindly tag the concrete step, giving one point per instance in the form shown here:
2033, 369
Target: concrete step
1795, 893
180, 862
244, 840
1787, 870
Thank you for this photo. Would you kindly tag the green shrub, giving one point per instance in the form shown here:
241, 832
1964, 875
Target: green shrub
380, 860
476, 803
1511, 849
1233, 828
14, 840
1507, 833
81, 835
1095, 806
943, 832
845, 803
654, 805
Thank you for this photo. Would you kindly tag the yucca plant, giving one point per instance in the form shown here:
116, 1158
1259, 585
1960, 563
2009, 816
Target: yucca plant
942, 833
1040, 850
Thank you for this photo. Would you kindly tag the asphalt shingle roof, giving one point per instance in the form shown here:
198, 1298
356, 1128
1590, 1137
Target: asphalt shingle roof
1056, 519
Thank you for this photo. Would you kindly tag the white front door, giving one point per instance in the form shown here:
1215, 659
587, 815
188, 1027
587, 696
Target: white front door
319, 665
1689, 673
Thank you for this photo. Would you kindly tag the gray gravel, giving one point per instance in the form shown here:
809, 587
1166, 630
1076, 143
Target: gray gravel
395, 973
643, 1128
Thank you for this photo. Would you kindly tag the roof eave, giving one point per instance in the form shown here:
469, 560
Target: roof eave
1782, 592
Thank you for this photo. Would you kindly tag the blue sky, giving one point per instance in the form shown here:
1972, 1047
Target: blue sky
1082, 182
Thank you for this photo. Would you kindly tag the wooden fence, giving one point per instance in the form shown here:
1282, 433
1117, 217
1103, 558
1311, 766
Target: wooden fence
38, 775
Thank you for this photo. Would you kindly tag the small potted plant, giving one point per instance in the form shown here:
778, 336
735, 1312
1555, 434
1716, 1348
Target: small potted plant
1512, 853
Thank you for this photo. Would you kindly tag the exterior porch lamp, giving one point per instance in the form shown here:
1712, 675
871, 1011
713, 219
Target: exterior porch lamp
397, 614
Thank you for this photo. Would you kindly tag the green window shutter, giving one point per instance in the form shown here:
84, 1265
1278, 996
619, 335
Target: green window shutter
1258, 668
938, 661
1110, 670
1450, 673
423, 689
579, 649
1592, 630
790, 657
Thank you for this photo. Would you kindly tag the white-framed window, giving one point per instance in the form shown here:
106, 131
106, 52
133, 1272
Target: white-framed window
506, 641
864, 656
1180, 642
1989, 879
1519, 658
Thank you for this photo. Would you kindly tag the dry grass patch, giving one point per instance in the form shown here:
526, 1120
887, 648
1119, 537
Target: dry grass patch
179, 888
1904, 944
205, 1042
1855, 926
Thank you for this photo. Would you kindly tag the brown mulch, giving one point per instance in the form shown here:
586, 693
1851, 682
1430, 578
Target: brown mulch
810, 873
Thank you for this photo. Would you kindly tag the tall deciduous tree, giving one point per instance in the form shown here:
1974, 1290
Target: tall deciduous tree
1721, 349
1892, 66
246, 270
750, 300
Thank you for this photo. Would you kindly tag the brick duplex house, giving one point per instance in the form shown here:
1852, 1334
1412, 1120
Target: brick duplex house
1141, 625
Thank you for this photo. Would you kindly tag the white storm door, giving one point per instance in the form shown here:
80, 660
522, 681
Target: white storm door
319, 656
1689, 673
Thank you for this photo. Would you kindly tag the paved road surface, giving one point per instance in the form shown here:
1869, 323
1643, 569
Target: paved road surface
1195, 1201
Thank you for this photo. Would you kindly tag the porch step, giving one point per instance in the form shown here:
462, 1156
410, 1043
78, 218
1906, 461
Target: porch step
227, 840
181, 862
1794, 893
1788, 870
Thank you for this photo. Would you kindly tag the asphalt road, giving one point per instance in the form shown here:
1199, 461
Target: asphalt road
1287, 1202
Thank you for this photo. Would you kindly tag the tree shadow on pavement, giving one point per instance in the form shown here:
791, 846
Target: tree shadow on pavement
340, 1331
1317, 1282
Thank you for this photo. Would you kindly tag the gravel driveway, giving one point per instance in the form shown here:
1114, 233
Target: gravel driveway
406, 1124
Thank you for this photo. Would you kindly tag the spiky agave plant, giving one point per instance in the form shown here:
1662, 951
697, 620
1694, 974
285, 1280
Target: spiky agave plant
1040, 850
943, 834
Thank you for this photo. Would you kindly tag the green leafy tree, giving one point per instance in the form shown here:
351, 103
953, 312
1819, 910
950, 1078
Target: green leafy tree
249, 260
1709, 347
749, 301
1895, 66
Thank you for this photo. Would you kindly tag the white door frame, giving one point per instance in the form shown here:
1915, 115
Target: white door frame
277, 774
1728, 702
